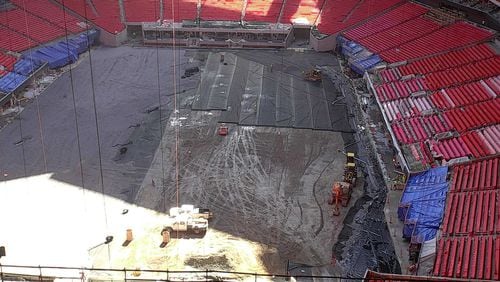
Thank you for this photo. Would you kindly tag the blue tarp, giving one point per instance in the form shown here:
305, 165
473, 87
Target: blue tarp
26, 66
67, 48
365, 64
341, 40
55, 55
93, 36
350, 48
72, 47
11, 82
422, 203
64, 52
81, 42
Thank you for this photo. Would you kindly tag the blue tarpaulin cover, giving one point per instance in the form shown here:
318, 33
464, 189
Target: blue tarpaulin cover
422, 203
80, 43
55, 55
83, 41
93, 35
341, 40
64, 52
364, 64
350, 48
52, 57
73, 47
67, 48
11, 82
26, 66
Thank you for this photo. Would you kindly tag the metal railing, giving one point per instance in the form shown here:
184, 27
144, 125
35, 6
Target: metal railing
53, 273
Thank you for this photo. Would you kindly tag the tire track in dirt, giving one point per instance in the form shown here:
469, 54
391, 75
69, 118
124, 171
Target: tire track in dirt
281, 206
316, 198
240, 186
312, 175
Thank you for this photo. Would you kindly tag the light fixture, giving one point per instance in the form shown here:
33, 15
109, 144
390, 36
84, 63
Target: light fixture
107, 240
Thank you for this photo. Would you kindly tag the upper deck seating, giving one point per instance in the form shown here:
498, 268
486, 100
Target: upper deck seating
338, 15
263, 10
104, 13
30, 26
387, 20
301, 11
142, 10
50, 12
178, 10
227, 10
447, 38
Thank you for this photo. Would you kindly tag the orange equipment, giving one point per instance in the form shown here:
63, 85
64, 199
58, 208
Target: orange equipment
335, 198
341, 191
223, 130
341, 194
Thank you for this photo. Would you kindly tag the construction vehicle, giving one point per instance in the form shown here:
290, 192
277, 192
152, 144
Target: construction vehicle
313, 75
341, 194
341, 190
185, 223
350, 172
192, 211
223, 130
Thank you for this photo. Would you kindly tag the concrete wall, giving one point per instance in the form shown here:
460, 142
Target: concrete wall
290, 38
198, 37
301, 32
113, 40
215, 44
322, 45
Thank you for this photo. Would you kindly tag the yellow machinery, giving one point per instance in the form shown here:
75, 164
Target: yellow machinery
312, 75
350, 172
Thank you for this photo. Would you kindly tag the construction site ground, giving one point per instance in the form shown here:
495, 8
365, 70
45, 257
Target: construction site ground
267, 186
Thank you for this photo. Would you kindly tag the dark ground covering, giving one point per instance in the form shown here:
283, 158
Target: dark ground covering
273, 172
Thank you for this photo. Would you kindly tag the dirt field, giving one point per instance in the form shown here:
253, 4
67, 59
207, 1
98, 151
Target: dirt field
267, 186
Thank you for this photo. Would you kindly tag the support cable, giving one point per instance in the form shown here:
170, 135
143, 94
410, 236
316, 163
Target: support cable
160, 118
176, 111
74, 99
18, 102
92, 82
37, 102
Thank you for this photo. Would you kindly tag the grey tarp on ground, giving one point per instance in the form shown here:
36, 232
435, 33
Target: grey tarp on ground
250, 99
251, 93
237, 88
215, 82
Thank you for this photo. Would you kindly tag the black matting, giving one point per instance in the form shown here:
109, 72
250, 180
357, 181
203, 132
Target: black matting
254, 94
